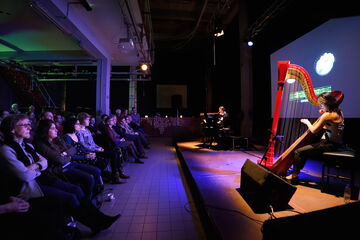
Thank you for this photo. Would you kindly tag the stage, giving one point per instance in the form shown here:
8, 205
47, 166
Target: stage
215, 175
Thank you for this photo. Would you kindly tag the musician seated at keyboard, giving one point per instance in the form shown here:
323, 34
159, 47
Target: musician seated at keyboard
332, 121
223, 118
223, 127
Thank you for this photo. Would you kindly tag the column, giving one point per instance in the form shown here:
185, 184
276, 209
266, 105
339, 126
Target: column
103, 86
245, 74
132, 90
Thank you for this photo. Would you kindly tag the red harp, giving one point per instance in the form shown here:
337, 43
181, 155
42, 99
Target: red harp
288, 71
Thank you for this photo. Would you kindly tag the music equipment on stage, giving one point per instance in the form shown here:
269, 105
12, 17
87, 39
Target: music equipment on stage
209, 127
261, 188
291, 71
332, 223
215, 128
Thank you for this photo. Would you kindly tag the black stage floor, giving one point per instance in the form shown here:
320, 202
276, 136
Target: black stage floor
216, 176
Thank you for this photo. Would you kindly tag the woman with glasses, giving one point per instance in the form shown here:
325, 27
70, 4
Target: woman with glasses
31, 178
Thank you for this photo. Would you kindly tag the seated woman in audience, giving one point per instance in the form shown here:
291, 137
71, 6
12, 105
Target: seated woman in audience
62, 156
116, 141
92, 127
126, 132
87, 142
102, 124
133, 127
84, 135
118, 115
31, 178
58, 123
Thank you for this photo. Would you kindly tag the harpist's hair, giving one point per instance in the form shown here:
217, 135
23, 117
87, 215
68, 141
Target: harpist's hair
330, 101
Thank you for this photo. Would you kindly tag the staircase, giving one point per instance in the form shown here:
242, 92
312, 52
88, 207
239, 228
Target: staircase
26, 88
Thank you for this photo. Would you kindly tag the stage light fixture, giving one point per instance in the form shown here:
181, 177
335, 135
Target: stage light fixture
250, 43
218, 27
144, 67
219, 33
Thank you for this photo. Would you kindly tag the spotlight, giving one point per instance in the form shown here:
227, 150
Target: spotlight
250, 43
219, 33
144, 67
218, 27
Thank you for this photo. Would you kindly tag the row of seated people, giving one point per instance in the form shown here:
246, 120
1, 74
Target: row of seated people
108, 141
59, 172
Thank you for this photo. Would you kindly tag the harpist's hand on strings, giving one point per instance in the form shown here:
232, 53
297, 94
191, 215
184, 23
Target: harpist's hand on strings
305, 121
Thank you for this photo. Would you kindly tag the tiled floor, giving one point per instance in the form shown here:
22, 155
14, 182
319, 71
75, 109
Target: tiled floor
153, 203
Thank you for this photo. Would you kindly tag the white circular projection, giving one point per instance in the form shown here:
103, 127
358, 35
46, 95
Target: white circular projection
325, 64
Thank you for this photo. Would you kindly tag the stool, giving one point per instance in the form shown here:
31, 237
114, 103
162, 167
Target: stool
239, 139
338, 160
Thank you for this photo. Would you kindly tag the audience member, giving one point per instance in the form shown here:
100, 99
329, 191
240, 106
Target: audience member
28, 168
92, 127
47, 115
126, 132
124, 113
4, 114
81, 161
58, 122
102, 124
118, 115
136, 129
116, 142
60, 158
135, 117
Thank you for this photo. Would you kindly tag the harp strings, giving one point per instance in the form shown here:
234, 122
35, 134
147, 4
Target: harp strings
290, 127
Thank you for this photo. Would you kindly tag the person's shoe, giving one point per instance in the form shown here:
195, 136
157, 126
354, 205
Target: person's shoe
138, 161
109, 221
117, 179
123, 176
144, 156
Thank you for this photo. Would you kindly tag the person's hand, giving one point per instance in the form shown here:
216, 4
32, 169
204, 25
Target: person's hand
33, 166
17, 205
43, 161
100, 149
305, 121
63, 154
122, 140
91, 155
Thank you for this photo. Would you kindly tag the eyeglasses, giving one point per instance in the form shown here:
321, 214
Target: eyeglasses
24, 125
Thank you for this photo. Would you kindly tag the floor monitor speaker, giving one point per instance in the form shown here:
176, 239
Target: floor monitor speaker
261, 188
